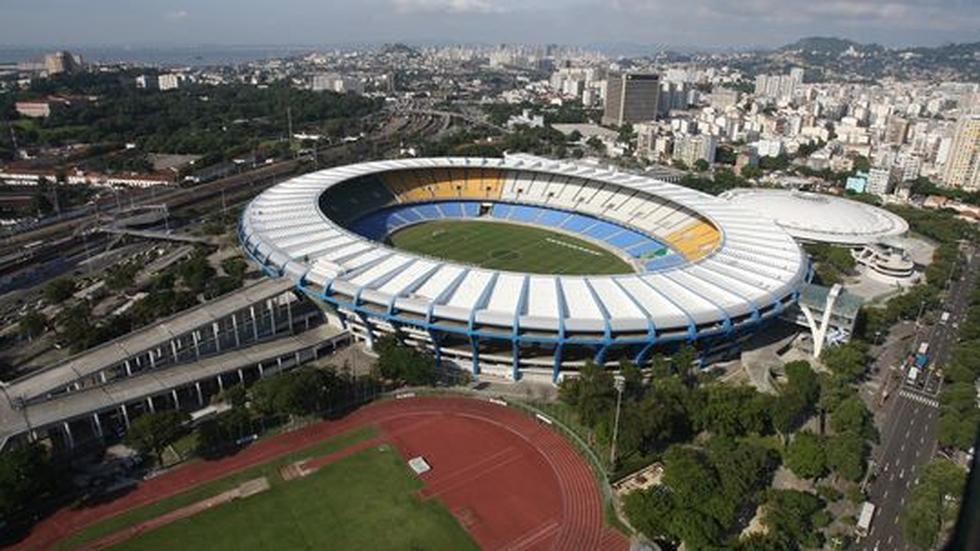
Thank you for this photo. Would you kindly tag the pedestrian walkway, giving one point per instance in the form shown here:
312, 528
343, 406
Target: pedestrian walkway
914, 396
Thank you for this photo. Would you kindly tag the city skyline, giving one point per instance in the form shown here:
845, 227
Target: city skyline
703, 23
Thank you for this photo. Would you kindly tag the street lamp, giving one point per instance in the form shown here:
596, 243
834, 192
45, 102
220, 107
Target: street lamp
619, 384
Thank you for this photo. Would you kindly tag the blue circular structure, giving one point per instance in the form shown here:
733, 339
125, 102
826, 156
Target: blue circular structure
706, 272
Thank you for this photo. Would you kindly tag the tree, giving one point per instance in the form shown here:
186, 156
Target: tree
234, 267
934, 501
626, 135
26, 477
59, 290
701, 165
789, 515
806, 456
847, 360
153, 432
405, 364
32, 324
633, 387
846, 455
852, 416
593, 394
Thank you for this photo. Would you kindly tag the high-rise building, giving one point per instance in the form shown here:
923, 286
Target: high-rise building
896, 130
61, 62
170, 81
880, 181
692, 148
963, 161
631, 97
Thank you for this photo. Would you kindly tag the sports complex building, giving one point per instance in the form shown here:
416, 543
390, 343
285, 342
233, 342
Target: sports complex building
619, 265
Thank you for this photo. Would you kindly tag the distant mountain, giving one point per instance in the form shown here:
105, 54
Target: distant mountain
842, 58
824, 45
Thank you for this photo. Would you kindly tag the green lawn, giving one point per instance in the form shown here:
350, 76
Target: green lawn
364, 501
215, 487
512, 247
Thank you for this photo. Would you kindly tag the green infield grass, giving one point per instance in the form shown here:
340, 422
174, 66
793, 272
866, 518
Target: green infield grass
364, 501
511, 247
203, 491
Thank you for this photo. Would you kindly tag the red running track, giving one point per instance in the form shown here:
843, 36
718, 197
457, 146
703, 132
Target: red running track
512, 482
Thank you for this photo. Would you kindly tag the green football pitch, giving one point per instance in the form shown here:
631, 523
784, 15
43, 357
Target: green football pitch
511, 247
367, 500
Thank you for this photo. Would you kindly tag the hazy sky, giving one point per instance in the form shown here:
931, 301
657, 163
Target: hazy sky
670, 22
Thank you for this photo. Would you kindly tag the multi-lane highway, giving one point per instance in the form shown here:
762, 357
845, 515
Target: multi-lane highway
908, 437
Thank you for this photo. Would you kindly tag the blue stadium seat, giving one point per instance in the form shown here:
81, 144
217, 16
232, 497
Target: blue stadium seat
450, 209
625, 239
600, 230
663, 262
500, 211
428, 212
645, 248
552, 218
523, 213
471, 210
576, 223
408, 214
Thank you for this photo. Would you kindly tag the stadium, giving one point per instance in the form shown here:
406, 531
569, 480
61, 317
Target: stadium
523, 267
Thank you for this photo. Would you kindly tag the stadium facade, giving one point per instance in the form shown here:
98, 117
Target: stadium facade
704, 271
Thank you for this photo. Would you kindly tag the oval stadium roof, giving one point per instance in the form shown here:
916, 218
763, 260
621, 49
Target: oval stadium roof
754, 266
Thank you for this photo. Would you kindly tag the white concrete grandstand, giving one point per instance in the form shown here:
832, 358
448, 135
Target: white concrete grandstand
705, 270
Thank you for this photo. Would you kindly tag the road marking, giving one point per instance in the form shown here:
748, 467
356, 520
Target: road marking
916, 397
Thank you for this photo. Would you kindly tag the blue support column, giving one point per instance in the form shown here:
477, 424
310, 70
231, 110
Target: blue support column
641, 357
515, 360
556, 370
600, 355
475, 343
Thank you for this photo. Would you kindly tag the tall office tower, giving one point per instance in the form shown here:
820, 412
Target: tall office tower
631, 97
896, 129
963, 160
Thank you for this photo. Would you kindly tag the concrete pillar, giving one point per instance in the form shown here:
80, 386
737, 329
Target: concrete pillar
197, 344
153, 362
200, 395
272, 315
234, 327
173, 350
176, 399
217, 342
68, 436
103, 377
221, 384
241, 376
97, 423
255, 323
261, 370
149, 404
129, 368
125, 414
289, 314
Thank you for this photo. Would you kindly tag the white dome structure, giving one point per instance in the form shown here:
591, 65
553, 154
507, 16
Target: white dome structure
812, 217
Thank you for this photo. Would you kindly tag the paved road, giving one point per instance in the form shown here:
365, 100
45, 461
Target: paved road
908, 437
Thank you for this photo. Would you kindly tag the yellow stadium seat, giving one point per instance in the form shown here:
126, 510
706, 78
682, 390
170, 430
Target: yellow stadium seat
695, 240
